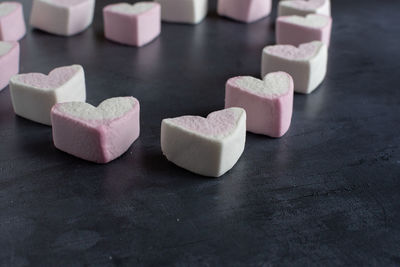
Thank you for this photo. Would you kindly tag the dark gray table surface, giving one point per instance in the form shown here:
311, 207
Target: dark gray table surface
327, 193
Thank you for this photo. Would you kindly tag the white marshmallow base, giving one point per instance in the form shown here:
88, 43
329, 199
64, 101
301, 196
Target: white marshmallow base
58, 19
204, 154
307, 73
35, 103
183, 11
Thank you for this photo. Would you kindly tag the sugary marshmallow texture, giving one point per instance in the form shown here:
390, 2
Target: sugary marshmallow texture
62, 17
304, 7
99, 134
9, 62
134, 25
183, 11
296, 30
306, 64
244, 10
268, 103
12, 23
207, 146
34, 94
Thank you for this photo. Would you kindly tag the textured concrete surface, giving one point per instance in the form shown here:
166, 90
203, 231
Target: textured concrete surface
326, 194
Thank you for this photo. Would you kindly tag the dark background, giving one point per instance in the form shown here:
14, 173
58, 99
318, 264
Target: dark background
327, 193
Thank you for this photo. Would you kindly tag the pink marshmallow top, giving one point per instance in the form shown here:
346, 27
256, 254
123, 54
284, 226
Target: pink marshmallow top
303, 52
7, 8
66, 3
55, 79
275, 85
109, 111
218, 123
306, 5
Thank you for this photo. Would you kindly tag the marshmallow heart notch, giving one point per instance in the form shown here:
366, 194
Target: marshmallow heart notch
307, 64
99, 134
34, 94
268, 103
207, 146
304, 7
135, 25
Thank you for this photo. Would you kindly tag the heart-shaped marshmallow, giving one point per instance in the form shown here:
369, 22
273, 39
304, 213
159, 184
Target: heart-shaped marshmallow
12, 23
99, 134
296, 30
268, 103
244, 10
9, 62
34, 94
62, 17
208, 146
135, 25
304, 7
183, 11
306, 64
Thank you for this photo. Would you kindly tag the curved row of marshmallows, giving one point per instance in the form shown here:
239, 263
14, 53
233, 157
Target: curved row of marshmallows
207, 146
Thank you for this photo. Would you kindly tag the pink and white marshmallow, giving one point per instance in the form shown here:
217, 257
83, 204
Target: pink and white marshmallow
98, 134
268, 103
34, 94
62, 17
304, 7
135, 25
183, 11
306, 64
9, 62
12, 23
296, 30
207, 146
246, 11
